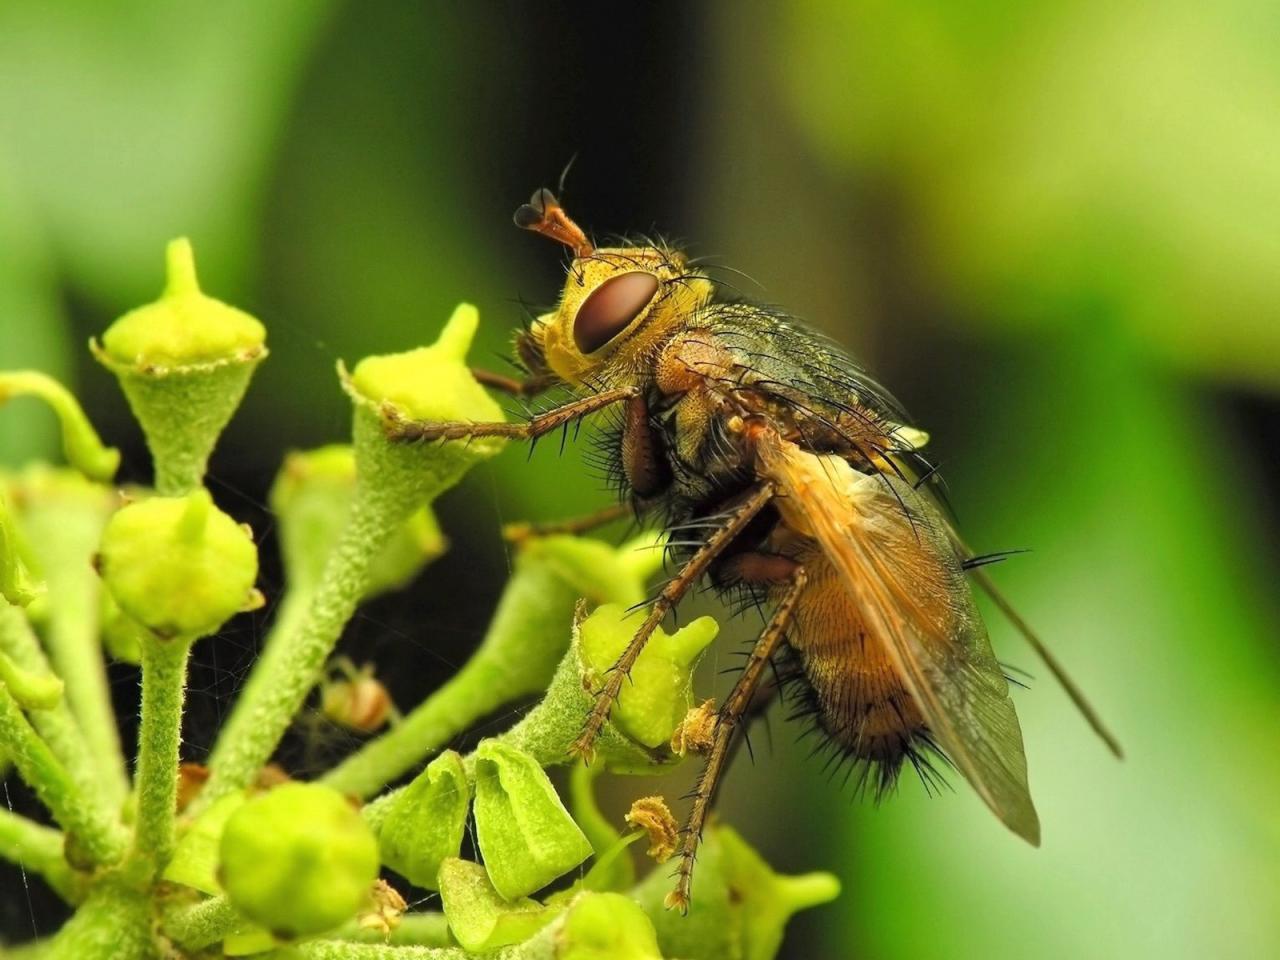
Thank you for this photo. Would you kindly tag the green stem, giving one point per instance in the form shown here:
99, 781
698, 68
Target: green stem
202, 924
290, 665
92, 833
164, 678
478, 689
346, 950
415, 929
36, 848
66, 531
57, 726
113, 924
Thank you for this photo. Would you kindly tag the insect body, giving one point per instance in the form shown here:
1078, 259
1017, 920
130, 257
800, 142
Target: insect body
781, 468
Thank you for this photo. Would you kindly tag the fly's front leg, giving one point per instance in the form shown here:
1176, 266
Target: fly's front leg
536, 426
737, 520
727, 722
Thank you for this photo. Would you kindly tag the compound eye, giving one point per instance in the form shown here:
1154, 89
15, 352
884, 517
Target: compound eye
610, 309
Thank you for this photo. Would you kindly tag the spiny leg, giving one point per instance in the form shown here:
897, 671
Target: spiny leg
535, 426
742, 513
529, 387
727, 722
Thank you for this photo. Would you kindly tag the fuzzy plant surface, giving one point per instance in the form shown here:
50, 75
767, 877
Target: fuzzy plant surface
164, 857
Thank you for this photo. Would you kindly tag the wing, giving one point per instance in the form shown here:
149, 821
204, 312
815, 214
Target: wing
890, 546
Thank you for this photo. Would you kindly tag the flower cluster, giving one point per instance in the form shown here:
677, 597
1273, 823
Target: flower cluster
232, 856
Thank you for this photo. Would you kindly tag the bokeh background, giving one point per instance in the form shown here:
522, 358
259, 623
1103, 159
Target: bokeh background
1052, 227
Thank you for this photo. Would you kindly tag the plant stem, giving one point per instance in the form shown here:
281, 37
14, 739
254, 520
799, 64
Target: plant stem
478, 689
415, 929
65, 531
113, 924
164, 677
202, 924
346, 950
57, 727
36, 848
95, 835
290, 665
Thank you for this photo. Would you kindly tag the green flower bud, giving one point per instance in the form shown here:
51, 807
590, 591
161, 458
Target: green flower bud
80, 442
526, 836
121, 634
426, 822
299, 859
767, 900
195, 859
184, 363
607, 926
660, 691
479, 917
429, 383
17, 586
311, 498
740, 907
33, 691
548, 730
179, 565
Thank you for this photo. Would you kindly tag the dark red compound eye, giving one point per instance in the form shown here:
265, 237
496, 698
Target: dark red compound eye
610, 309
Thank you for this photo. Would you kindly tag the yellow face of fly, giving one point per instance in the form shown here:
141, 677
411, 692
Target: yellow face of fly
618, 305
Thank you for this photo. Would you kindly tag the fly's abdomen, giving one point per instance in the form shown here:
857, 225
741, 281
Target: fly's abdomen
854, 695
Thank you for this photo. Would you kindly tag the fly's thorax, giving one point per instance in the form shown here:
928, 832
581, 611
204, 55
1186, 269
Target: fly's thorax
619, 305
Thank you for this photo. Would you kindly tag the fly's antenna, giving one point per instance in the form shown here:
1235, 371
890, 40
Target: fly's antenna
543, 214
564, 174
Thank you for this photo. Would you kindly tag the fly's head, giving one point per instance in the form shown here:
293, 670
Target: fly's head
618, 304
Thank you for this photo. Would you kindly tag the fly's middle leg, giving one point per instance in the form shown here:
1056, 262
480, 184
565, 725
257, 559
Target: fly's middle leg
727, 723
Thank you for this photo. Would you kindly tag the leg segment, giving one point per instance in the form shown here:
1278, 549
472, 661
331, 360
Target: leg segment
532, 428
530, 387
518, 532
731, 714
741, 515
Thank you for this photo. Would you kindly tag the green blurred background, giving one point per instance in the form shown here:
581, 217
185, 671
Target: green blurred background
1053, 228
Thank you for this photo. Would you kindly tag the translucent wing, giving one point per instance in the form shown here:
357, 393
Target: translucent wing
891, 548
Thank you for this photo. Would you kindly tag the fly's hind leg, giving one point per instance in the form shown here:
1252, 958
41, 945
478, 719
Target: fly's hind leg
739, 516
727, 723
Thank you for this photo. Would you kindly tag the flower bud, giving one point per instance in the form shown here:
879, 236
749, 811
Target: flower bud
426, 823
430, 383
740, 907
17, 586
299, 859
357, 700
767, 899
526, 836
479, 917
183, 362
660, 693
178, 565
195, 858
607, 926
311, 498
